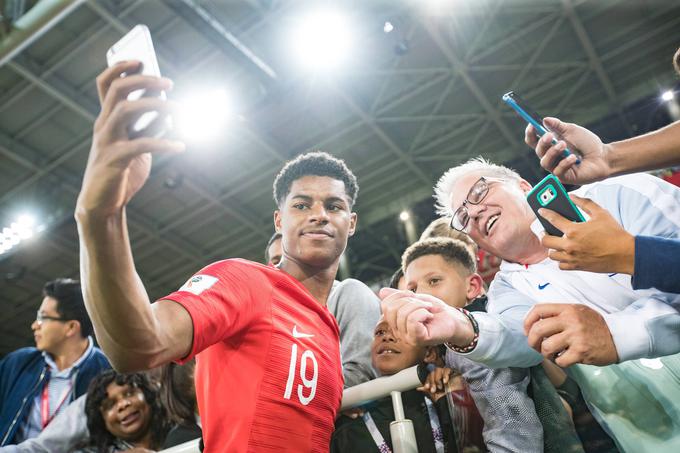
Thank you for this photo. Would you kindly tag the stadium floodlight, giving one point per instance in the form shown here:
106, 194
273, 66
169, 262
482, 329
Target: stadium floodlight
388, 27
322, 39
404, 216
667, 95
20, 230
204, 115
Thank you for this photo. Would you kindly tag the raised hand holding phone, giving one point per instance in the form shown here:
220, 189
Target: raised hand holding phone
119, 165
136, 45
594, 164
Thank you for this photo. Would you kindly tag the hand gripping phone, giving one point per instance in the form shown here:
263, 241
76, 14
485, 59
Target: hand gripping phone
550, 194
137, 45
533, 118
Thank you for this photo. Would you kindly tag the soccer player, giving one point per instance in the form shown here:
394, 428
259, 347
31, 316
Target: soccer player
268, 374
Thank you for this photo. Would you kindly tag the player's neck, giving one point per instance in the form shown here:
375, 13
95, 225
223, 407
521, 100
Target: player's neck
318, 281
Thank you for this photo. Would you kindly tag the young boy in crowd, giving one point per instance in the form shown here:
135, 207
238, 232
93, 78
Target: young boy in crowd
445, 268
432, 423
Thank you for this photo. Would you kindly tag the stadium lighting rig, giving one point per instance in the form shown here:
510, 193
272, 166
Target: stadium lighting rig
204, 115
22, 229
322, 39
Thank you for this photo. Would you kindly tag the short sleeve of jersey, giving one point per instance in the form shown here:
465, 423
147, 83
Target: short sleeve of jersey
222, 300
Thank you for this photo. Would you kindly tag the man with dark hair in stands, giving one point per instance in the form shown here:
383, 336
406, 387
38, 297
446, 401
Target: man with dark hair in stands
38, 383
268, 372
273, 251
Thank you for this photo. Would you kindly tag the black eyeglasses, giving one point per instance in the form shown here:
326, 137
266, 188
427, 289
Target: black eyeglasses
40, 318
476, 195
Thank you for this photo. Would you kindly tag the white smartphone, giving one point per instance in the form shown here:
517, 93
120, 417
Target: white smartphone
137, 45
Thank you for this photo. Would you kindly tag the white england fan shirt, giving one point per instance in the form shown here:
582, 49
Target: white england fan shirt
643, 323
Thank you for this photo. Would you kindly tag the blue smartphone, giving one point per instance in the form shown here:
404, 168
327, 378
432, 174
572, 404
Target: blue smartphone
551, 194
533, 118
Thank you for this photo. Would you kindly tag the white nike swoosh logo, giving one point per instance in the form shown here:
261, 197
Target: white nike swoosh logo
297, 334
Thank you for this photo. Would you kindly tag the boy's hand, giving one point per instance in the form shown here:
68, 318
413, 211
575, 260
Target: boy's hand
436, 383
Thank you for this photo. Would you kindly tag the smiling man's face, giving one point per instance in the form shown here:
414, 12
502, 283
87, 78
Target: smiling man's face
391, 355
501, 222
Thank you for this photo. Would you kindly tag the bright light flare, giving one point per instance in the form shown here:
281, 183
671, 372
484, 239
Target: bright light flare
388, 27
204, 116
668, 95
322, 40
404, 216
21, 229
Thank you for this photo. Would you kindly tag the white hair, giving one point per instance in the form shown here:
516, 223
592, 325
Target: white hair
478, 165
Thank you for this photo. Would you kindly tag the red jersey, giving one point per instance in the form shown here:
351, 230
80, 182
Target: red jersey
268, 368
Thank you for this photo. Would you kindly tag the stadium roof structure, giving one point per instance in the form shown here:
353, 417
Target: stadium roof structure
406, 106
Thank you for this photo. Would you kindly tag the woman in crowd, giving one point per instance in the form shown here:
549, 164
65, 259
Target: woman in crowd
124, 412
178, 394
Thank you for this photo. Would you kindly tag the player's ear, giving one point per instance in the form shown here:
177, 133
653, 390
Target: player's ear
353, 223
277, 221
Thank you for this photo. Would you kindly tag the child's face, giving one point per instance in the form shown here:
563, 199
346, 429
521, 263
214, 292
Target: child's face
391, 355
432, 274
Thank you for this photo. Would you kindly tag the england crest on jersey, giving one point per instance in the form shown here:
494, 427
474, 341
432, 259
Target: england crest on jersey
198, 283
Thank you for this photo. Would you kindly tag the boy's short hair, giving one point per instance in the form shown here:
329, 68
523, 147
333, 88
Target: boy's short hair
314, 164
441, 228
452, 251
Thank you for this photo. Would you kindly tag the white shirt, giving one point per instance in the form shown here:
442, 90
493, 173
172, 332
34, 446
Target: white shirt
643, 323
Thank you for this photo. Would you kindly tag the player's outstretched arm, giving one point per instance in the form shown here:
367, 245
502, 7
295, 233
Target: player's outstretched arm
133, 333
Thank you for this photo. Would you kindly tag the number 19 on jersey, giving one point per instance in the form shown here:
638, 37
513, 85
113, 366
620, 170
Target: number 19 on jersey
307, 356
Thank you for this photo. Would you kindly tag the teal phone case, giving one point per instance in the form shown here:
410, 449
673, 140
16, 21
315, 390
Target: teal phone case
550, 194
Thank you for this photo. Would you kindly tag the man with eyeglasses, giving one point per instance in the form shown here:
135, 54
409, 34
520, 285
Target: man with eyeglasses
537, 310
38, 383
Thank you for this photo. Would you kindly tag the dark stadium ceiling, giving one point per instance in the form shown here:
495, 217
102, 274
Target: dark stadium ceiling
407, 105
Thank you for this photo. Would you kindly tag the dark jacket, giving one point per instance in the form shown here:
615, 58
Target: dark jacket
351, 435
23, 374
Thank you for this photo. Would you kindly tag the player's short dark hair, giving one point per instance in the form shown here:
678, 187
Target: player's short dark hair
274, 237
315, 163
70, 304
452, 251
